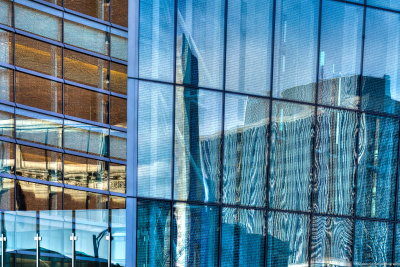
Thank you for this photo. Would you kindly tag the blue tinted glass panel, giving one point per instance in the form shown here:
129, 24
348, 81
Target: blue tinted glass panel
119, 47
197, 144
287, 239
390, 4
242, 237
373, 245
381, 84
153, 233
9, 229
200, 223
249, 46
6, 120
291, 156
155, 139
245, 150
200, 43
6, 79
397, 248
5, 15
156, 40
377, 166
25, 231
6, 47
295, 61
340, 54
118, 232
335, 160
7, 157
117, 145
331, 241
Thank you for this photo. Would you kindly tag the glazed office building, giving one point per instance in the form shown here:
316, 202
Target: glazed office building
259, 132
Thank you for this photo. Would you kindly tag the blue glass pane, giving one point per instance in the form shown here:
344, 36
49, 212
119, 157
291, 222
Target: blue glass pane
245, 150
155, 139
397, 246
153, 233
249, 46
332, 240
381, 73
287, 239
295, 61
291, 156
9, 230
377, 166
335, 160
195, 236
6, 42
25, 231
390, 4
200, 43
340, 54
118, 232
7, 157
373, 244
156, 40
198, 130
242, 237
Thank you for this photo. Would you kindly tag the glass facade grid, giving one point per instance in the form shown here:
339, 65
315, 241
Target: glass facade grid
322, 184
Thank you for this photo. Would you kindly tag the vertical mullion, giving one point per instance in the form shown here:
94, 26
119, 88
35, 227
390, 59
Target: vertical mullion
269, 133
313, 174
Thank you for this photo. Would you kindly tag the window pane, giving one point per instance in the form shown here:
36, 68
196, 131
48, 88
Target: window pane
118, 145
155, 139
335, 159
118, 112
85, 172
88, 38
118, 232
39, 164
38, 128
242, 237
38, 92
287, 239
81, 200
119, 47
85, 138
296, 49
6, 47
156, 40
340, 54
397, 248
7, 194
119, 12
37, 56
117, 178
200, 43
377, 166
5, 15
291, 156
6, 121
392, 4
7, 157
381, 53
201, 224
95, 8
245, 150
373, 245
332, 240
118, 78
33, 196
153, 233
85, 69
37, 22
249, 46
6, 82
85, 104
197, 144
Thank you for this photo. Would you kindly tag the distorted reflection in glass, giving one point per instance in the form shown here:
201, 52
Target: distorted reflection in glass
340, 54
6, 46
242, 237
287, 239
245, 150
6, 121
377, 166
296, 36
391, 4
153, 233
291, 156
7, 157
249, 46
200, 43
5, 15
6, 80
198, 125
335, 159
381, 84
118, 145
34, 196
7, 191
195, 236
332, 240
118, 232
